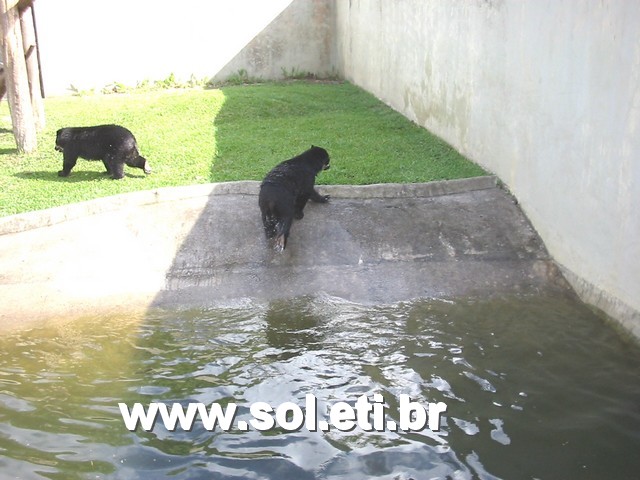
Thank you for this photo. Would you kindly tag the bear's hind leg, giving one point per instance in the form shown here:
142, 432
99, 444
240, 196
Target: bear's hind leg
269, 222
282, 230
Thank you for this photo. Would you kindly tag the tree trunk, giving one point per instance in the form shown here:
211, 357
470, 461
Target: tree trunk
16, 78
33, 70
3, 85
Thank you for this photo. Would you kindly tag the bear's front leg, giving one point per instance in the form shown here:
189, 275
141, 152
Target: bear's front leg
68, 162
316, 197
300, 203
107, 166
115, 165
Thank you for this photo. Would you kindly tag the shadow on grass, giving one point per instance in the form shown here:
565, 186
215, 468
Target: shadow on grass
260, 125
75, 177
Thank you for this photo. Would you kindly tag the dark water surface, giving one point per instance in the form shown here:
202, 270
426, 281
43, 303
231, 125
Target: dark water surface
535, 388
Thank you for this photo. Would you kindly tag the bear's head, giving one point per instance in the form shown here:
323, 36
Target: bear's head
320, 158
61, 139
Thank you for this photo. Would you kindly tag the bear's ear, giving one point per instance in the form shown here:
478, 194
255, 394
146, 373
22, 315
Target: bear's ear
313, 146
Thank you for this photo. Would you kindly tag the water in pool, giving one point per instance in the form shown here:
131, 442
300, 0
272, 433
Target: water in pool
534, 388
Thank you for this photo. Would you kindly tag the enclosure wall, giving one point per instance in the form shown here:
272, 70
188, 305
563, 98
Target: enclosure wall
546, 94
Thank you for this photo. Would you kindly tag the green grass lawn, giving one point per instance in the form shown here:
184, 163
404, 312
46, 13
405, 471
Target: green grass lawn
233, 133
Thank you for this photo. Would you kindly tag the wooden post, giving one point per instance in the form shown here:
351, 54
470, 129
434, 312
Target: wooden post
33, 69
16, 78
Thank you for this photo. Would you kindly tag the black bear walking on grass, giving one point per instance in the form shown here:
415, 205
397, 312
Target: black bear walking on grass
285, 190
113, 144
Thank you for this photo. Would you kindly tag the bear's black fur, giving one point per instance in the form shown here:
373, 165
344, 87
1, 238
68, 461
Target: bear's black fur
113, 144
285, 190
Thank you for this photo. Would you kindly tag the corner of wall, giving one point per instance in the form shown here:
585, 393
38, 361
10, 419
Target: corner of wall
620, 312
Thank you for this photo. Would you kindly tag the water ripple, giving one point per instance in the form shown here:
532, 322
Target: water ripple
523, 379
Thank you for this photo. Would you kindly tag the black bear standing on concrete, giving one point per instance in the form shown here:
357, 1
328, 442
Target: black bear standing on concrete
113, 144
285, 190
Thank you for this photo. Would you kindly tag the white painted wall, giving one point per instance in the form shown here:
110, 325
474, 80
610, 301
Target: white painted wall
90, 44
545, 93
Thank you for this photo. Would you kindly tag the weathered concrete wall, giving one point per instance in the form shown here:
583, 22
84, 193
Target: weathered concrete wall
299, 41
92, 44
546, 94
203, 245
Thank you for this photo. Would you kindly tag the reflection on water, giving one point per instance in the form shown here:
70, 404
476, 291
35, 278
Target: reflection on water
535, 388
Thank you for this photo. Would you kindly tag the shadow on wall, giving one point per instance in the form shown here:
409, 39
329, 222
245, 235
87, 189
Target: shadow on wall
375, 248
208, 39
298, 42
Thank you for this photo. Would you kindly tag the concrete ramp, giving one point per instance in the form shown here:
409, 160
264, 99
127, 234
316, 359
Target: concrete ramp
202, 245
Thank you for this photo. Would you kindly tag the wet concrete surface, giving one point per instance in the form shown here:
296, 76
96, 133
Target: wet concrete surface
203, 245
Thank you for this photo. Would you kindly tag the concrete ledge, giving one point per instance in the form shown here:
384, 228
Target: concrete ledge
44, 218
51, 216
194, 246
411, 190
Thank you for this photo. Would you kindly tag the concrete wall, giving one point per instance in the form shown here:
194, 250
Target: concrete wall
90, 44
299, 41
546, 94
